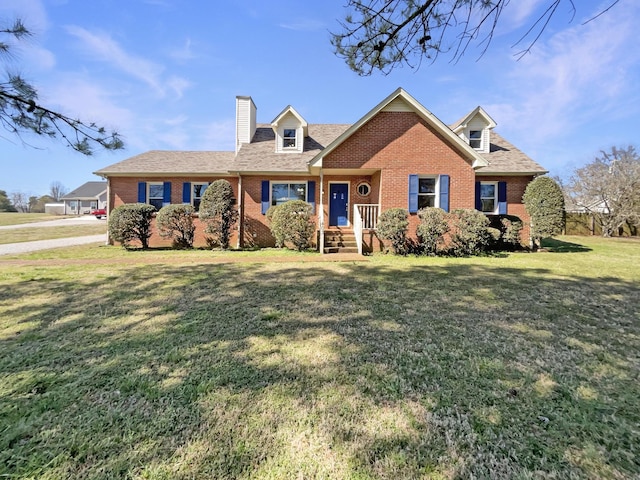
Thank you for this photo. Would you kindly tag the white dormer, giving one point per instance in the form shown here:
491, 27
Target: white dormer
290, 129
475, 129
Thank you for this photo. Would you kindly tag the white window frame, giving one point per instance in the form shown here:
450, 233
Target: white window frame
436, 194
193, 194
494, 211
480, 140
286, 138
287, 182
161, 197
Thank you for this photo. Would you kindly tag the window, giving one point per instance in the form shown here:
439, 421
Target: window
488, 197
197, 190
289, 138
155, 194
427, 187
283, 192
363, 189
475, 139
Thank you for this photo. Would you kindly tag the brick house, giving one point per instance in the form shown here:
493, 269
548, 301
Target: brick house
397, 155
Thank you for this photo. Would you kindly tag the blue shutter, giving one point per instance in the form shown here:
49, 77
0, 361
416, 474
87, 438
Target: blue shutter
166, 195
265, 196
502, 198
413, 193
478, 201
142, 192
186, 193
444, 192
311, 195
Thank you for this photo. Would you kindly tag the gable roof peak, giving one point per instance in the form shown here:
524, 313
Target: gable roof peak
478, 111
290, 110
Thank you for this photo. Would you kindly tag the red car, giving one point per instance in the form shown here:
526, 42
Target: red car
99, 213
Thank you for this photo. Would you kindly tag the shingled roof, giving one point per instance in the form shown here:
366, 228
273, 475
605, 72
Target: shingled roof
172, 162
89, 190
260, 156
504, 158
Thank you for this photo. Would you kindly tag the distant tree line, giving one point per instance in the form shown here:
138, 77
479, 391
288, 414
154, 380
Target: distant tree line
25, 203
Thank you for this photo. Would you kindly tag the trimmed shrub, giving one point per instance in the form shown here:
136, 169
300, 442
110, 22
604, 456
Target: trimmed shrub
393, 225
510, 228
544, 201
292, 222
130, 222
472, 234
431, 229
176, 222
218, 212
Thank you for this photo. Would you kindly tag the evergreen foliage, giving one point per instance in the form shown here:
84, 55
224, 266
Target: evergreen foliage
218, 212
176, 222
544, 201
393, 225
472, 233
292, 222
131, 222
431, 229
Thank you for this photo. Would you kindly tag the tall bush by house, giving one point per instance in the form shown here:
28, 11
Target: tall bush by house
292, 222
544, 201
393, 225
431, 229
218, 211
472, 234
131, 222
176, 222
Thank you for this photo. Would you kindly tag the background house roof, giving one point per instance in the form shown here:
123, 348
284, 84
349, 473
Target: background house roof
87, 190
504, 158
173, 162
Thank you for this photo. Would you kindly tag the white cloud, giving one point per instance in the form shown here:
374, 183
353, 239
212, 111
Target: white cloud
178, 85
103, 47
184, 53
580, 74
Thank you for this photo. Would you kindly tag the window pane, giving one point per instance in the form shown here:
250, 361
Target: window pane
426, 201
156, 190
198, 189
289, 137
298, 191
487, 190
156, 202
196, 204
279, 193
427, 185
488, 205
475, 134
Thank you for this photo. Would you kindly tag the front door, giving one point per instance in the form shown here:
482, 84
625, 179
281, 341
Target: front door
338, 204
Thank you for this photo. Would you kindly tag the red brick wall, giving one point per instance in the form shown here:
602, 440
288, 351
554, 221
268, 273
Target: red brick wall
400, 144
255, 226
125, 190
515, 189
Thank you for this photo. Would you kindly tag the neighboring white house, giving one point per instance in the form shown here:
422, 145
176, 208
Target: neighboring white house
87, 197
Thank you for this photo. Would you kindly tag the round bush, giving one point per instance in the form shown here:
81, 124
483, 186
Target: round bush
393, 225
431, 229
292, 222
131, 221
176, 222
218, 212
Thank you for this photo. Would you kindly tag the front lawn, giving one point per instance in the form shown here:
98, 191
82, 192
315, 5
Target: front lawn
15, 218
31, 234
167, 365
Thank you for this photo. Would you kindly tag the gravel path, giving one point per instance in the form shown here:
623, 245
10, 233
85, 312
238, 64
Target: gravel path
25, 247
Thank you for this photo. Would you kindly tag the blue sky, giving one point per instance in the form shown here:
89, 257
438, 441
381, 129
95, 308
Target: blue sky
165, 74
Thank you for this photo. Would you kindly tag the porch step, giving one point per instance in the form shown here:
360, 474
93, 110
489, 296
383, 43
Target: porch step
340, 241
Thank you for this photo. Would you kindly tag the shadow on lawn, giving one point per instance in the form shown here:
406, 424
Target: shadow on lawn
560, 246
339, 370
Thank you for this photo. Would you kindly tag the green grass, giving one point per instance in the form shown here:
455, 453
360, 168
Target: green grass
167, 365
13, 218
30, 234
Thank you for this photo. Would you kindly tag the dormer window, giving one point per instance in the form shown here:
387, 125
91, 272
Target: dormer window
475, 139
289, 138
